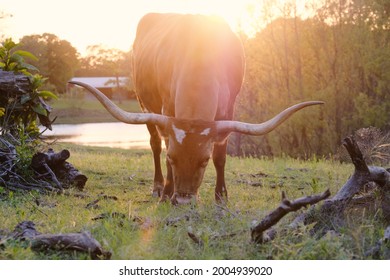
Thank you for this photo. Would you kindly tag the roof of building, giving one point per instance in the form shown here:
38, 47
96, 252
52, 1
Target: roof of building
102, 82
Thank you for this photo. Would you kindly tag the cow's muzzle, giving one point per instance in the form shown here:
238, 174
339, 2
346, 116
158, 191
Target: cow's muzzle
183, 198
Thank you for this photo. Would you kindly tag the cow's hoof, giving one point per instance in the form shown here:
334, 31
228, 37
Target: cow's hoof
157, 190
156, 193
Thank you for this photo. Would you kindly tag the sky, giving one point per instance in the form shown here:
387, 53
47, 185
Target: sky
100, 22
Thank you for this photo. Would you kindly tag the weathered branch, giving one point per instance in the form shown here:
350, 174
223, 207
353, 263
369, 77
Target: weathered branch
363, 175
259, 234
79, 242
51, 158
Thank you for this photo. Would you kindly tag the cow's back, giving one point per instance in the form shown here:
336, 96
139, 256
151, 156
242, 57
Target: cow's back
187, 60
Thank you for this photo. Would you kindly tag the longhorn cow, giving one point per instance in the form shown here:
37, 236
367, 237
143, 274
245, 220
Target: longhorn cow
187, 72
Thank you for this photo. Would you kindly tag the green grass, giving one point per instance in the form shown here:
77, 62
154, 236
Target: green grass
78, 109
158, 231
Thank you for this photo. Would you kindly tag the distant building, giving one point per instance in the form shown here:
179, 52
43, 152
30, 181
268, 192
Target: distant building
116, 88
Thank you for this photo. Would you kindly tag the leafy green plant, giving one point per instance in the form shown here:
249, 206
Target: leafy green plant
25, 150
22, 108
12, 59
34, 103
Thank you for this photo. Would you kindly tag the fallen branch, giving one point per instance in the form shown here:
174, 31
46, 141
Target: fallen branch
363, 174
262, 233
79, 242
332, 211
74, 242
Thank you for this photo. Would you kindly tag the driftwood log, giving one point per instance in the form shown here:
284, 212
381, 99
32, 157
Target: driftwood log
71, 242
54, 166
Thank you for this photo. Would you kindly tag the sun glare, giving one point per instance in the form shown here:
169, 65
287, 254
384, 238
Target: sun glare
109, 23
236, 13
232, 11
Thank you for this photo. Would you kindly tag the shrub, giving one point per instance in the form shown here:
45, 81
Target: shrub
21, 109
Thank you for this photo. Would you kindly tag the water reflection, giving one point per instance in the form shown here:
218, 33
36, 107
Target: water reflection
115, 134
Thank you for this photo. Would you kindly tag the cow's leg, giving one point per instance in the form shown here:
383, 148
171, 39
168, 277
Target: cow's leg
219, 159
169, 185
155, 144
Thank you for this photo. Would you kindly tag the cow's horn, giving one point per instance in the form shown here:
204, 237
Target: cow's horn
262, 128
121, 115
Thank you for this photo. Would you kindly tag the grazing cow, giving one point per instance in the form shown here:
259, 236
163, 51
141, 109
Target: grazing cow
187, 72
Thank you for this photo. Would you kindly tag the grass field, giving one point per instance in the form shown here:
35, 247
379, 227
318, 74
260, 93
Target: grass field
145, 229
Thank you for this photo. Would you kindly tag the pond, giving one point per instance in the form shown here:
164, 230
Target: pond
113, 134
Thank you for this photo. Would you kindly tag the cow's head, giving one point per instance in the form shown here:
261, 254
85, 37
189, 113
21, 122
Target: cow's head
189, 150
191, 141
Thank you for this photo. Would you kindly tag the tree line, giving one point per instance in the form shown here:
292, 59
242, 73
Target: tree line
340, 55
59, 61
